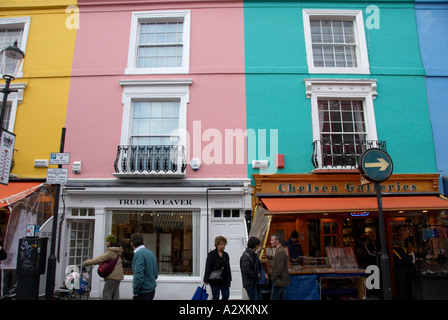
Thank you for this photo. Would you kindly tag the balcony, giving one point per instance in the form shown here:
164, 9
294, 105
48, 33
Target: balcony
150, 161
329, 154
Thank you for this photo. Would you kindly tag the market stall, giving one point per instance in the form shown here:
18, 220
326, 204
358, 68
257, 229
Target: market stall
335, 275
428, 245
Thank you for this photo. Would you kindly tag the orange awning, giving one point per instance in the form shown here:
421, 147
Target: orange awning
343, 204
15, 191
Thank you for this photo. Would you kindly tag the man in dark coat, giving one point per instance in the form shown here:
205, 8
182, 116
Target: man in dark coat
294, 247
250, 266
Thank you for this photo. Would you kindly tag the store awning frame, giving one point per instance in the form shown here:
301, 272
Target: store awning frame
16, 191
345, 204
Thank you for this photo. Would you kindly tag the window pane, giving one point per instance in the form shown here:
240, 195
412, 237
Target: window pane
342, 126
154, 121
8, 37
160, 44
339, 43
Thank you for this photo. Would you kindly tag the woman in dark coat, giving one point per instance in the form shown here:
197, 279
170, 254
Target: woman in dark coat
217, 270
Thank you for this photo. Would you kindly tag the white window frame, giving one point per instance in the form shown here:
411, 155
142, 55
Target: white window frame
146, 90
15, 98
150, 16
6, 23
343, 89
361, 46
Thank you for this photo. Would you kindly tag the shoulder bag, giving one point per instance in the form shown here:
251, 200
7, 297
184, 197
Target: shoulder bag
106, 268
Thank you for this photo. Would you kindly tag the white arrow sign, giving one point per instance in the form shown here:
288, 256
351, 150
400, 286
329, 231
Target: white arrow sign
382, 164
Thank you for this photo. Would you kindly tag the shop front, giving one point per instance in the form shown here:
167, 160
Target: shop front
22, 203
334, 212
179, 221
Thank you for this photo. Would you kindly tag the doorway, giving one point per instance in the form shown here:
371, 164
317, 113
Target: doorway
230, 224
80, 242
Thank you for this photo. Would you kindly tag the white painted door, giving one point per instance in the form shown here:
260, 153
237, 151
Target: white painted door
233, 227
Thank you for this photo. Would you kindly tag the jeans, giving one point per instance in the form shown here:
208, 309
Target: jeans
220, 287
145, 296
254, 291
278, 293
111, 290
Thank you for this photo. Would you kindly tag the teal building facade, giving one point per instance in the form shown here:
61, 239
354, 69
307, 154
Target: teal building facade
302, 54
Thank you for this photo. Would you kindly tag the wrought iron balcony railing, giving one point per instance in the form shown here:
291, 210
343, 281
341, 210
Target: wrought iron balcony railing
329, 154
151, 159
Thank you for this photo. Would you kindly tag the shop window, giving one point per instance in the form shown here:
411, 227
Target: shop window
169, 234
226, 213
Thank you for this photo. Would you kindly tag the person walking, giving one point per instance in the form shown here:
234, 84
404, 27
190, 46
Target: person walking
250, 266
111, 290
217, 270
144, 268
280, 272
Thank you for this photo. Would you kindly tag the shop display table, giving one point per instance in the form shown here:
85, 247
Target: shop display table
307, 284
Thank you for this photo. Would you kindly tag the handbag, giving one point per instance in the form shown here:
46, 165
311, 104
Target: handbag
200, 293
215, 275
106, 268
262, 281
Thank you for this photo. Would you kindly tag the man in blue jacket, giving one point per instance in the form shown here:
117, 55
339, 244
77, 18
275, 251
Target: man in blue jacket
144, 268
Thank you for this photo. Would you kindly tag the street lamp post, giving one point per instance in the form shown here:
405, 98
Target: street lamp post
12, 58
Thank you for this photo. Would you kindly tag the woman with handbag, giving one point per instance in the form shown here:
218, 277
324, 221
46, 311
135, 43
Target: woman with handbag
111, 290
217, 270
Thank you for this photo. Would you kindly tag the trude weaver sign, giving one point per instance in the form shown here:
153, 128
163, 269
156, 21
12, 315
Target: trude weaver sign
6, 152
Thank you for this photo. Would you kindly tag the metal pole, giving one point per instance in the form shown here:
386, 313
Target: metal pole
51, 270
385, 269
5, 92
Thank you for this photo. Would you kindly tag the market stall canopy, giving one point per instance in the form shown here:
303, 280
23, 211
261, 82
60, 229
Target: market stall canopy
342, 204
16, 191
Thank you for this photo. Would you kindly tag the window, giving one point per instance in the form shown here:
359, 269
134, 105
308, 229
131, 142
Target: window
160, 42
5, 124
342, 130
14, 29
343, 120
335, 41
155, 123
331, 233
171, 235
226, 213
83, 212
14, 99
153, 136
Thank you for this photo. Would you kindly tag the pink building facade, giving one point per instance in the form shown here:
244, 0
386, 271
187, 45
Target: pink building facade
156, 130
